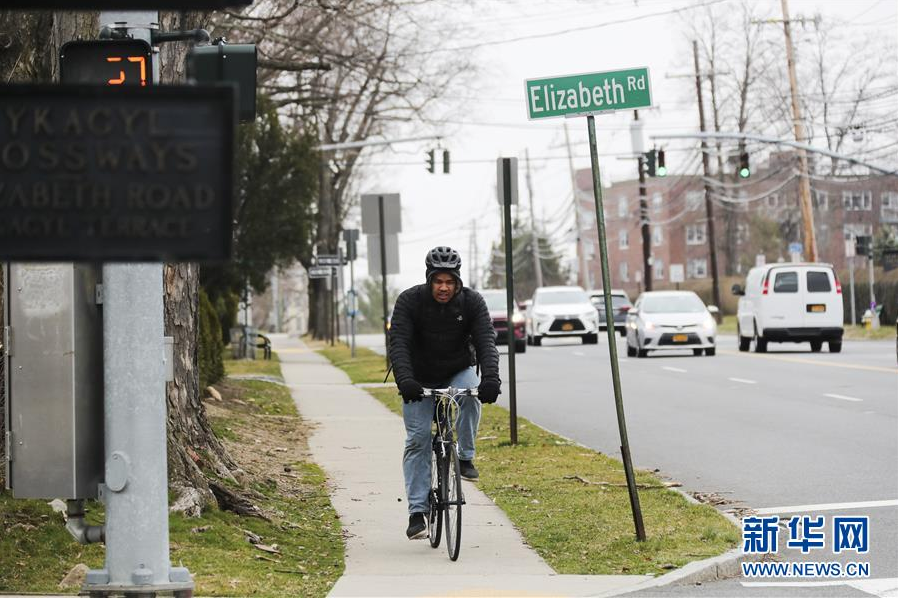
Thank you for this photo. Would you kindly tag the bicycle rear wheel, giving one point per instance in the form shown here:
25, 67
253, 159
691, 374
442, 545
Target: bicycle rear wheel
454, 500
435, 520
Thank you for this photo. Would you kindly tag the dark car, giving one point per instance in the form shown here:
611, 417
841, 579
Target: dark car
620, 304
496, 304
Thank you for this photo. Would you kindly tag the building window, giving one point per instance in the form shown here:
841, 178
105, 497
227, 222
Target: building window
695, 234
624, 272
773, 201
857, 200
889, 208
697, 268
657, 269
657, 202
854, 230
622, 207
657, 236
623, 239
694, 200
821, 200
741, 233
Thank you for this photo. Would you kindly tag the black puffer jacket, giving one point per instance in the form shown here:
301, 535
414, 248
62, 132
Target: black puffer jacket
429, 341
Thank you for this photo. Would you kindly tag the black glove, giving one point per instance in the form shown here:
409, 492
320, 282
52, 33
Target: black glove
410, 390
488, 391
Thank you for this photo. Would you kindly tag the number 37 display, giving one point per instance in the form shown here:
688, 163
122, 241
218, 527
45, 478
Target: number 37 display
115, 62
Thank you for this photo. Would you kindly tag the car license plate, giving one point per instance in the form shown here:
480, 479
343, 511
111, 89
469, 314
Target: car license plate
817, 308
567, 326
680, 338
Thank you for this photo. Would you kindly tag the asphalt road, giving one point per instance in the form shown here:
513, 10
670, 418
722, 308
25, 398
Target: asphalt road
787, 431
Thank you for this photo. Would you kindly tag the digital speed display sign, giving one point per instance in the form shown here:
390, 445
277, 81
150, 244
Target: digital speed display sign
113, 62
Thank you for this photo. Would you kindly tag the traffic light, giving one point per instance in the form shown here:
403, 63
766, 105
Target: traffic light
744, 168
661, 170
430, 164
862, 244
111, 62
445, 161
650, 162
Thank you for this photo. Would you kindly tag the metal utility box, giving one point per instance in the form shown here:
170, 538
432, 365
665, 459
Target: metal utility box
228, 63
54, 382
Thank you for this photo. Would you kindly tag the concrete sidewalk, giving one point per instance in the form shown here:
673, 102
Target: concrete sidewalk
358, 442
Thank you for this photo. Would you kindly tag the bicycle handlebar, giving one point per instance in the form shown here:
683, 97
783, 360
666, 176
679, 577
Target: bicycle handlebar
430, 392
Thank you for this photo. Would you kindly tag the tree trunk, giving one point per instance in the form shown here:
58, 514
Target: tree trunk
192, 445
326, 242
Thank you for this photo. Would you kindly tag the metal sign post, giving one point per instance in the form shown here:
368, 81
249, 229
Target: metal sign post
585, 95
351, 236
136, 495
508, 194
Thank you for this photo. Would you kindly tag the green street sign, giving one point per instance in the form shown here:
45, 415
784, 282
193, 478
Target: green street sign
589, 93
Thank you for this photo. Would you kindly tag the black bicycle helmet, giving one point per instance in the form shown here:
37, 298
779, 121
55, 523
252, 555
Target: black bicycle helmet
443, 259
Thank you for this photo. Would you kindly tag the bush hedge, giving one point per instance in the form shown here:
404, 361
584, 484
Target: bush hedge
211, 348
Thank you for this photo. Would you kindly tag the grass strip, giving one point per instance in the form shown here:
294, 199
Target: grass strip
303, 542
571, 503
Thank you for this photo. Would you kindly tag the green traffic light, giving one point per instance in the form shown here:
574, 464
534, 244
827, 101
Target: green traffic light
744, 172
661, 171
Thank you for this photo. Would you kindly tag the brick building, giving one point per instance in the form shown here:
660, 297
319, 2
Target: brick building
760, 216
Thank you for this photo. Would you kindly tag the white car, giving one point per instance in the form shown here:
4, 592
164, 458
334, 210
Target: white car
670, 320
790, 303
562, 311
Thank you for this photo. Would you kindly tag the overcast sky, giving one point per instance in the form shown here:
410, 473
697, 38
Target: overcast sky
562, 37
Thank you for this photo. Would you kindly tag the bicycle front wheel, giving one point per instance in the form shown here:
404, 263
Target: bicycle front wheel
454, 499
435, 520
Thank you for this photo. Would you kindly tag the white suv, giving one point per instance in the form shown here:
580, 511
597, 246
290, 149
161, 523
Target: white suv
562, 311
790, 303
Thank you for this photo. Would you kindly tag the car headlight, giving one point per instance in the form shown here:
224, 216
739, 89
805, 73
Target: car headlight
541, 316
649, 325
517, 319
708, 324
589, 315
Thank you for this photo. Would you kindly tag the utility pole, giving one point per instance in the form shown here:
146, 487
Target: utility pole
709, 207
644, 219
534, 240
582, 276
804, 183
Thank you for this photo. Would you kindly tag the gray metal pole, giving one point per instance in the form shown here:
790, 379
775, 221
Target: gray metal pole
874, 321
342, 295
509, 305
643, 223
136, 479
353, 305
851, 283
612, 342
383, 274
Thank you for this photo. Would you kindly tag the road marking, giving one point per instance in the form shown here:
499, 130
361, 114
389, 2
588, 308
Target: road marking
671, 369
843, 397
833, 506
742, 380
822, 362
579, 353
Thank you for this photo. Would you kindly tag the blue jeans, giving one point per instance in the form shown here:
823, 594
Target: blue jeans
418, 416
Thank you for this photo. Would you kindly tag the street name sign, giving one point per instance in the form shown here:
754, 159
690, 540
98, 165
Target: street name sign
321, 272
588, 93
328, 260
95, 173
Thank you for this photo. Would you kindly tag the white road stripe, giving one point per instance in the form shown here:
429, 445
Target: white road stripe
742, 380
843, 397
832, 506
670, 369
579, 353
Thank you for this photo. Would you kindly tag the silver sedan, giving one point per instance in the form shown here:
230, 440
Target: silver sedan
670, 320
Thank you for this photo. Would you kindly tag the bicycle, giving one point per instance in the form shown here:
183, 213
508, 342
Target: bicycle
446, 496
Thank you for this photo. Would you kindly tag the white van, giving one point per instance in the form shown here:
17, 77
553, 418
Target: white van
790, 303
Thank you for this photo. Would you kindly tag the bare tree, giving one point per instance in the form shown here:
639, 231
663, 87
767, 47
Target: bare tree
350, 70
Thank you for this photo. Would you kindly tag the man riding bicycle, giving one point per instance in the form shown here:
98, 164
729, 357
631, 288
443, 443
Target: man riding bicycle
433, 329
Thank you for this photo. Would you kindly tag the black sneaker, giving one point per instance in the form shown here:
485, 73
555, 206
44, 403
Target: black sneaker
467, 470
417, 528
